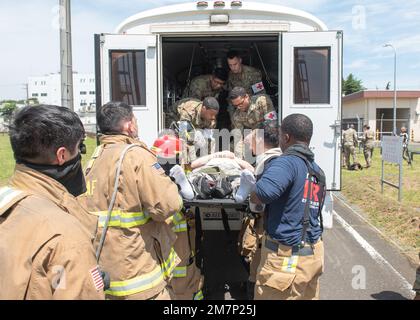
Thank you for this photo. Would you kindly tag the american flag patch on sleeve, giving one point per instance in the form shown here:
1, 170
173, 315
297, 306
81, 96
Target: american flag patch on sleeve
97, 278
158, 168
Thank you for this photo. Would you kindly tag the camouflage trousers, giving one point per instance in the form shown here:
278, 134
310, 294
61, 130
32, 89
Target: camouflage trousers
368, 152
350, 150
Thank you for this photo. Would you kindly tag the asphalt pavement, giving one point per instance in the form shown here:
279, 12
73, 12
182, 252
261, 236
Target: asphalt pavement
360, 264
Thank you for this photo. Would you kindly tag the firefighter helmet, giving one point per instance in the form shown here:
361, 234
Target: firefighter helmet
167, 147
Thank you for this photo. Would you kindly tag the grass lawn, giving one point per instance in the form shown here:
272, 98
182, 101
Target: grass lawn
7, 162
399, 221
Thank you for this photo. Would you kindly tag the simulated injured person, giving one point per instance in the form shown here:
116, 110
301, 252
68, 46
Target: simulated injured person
217, 175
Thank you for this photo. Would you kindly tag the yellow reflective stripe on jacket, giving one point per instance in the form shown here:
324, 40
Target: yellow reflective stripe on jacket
169, 264
137, 284
122, 219
178, 217
199, 295
180, 272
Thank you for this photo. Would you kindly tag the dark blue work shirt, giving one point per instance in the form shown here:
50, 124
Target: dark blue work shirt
282, 187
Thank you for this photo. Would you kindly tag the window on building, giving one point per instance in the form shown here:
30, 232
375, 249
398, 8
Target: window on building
82, 93
44, 94
83, 103
43, 83
92, 80
128, 77
36, 83
92, 92
34, 95
312, 75
82, 80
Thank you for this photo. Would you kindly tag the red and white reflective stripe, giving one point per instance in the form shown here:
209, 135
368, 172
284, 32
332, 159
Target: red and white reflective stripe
97, 278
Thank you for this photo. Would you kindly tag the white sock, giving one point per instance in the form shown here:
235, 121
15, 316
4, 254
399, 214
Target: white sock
247, 184
180, 178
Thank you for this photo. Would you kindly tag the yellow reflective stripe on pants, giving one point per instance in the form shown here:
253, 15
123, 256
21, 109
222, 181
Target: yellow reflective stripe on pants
199, 295
146, 281
137, 284
169, 264
122, 219
180, 272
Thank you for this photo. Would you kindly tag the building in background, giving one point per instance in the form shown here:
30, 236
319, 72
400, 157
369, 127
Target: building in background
375, 108
47, 89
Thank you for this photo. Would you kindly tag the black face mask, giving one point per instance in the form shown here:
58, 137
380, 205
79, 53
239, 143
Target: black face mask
70, 174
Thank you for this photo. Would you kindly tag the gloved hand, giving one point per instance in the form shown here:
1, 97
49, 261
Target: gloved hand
246, 186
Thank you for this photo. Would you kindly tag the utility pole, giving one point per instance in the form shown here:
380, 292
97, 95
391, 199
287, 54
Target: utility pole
394, 130
66, 55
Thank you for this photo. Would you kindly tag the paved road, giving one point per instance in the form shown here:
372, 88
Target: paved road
359, 263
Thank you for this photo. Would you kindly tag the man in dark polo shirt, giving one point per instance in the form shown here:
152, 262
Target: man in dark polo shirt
293, 188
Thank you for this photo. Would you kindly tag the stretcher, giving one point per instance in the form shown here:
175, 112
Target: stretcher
218, 214
216, 203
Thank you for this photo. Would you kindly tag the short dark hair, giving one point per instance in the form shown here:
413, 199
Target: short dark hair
211, 103
112, 115
233, 54
271, 132
221, 74
298, 126
236, 93
37, 132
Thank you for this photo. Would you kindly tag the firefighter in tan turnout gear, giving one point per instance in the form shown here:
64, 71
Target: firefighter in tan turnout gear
46, 249
187, 281
138, 247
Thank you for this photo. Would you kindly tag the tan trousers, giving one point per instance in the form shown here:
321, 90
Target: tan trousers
283, 276
349, 150
165, 294
185, 287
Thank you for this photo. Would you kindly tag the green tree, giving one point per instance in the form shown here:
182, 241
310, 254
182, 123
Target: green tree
352, 85
7, 110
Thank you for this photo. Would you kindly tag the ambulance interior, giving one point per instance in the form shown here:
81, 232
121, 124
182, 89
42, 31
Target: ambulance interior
187, 57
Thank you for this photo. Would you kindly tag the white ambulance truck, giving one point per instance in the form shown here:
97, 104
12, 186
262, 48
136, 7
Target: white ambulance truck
153, 55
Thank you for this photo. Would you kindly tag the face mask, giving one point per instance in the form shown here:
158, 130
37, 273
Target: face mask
70, 174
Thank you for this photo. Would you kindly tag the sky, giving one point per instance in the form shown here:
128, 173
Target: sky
29, 36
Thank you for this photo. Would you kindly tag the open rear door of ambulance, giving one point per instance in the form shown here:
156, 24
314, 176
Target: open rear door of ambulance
127, 70
311, 73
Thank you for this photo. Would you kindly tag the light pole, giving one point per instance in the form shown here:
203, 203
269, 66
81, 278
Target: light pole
394, 131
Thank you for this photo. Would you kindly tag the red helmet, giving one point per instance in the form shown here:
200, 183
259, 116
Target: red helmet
167, 146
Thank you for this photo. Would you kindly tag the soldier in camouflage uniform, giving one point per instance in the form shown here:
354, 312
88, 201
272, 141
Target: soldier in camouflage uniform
198, 115
368, 144
243, 76
250, 112
209, 85
350, 144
